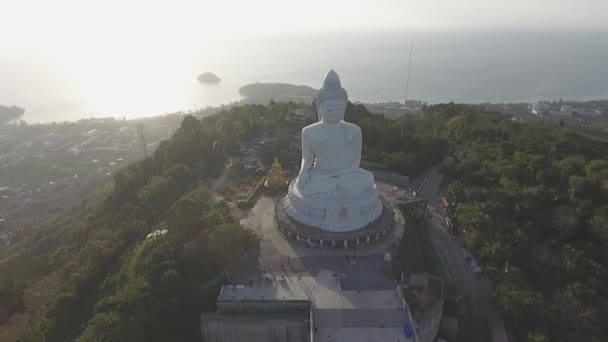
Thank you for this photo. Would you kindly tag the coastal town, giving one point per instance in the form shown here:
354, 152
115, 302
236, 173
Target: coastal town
49, 167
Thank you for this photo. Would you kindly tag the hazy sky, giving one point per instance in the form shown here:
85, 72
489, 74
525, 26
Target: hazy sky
44, 24
71, 37
73, 51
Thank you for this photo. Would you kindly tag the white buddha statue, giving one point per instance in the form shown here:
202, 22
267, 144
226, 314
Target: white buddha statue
331, 191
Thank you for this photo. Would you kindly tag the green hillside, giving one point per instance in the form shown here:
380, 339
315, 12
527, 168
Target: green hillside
531, 202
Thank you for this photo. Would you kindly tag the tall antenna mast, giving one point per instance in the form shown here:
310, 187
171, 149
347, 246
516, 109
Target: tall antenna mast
407, 84
409, 69
141, 132
142, 138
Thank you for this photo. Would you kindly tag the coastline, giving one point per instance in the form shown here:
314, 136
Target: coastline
387, 108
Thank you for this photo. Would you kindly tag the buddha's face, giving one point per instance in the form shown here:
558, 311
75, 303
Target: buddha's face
332, 110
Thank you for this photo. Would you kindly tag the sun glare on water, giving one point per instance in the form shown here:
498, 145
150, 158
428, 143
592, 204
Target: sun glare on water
136, 57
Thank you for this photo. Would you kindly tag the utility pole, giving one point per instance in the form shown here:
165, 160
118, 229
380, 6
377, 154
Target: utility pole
553, 146
407, 83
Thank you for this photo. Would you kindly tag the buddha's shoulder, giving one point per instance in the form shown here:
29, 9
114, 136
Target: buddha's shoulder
310, 129
351, 126
320, 128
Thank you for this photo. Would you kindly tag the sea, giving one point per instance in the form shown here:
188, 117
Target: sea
459, 66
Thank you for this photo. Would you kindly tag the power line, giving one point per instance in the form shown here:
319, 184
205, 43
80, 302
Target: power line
142, 138
144, 144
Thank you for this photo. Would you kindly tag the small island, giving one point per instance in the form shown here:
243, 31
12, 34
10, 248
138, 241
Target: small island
264, 92
10, 113
209, 78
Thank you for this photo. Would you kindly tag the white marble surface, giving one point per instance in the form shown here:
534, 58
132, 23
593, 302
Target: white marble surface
334, 213
331, 191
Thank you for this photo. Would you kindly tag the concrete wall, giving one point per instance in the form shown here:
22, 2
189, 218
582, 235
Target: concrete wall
430, 320
267, 306
428, 326
236, 328
403, 181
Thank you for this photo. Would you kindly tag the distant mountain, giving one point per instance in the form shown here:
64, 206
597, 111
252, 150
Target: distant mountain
278, 92
10, 113
209, 78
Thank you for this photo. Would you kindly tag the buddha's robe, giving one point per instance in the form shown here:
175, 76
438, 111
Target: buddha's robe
336, 149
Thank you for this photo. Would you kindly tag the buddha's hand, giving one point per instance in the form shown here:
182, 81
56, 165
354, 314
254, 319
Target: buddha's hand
303, 179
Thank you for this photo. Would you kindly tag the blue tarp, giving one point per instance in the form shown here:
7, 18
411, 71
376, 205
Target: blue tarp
408, 331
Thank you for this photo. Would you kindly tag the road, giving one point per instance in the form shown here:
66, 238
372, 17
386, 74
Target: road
481, 317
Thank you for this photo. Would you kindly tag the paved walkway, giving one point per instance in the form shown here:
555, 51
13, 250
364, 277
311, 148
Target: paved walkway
279, 257
260, 219
334, 279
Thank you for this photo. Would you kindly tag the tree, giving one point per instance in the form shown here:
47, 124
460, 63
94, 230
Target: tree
458, 126
537, 336
233, 244
572, 165
171, 282
535, 204
598, 170
112, 327
163, 190
575, 309
521, 304
400, 161
581, 187
184, 216
599, 223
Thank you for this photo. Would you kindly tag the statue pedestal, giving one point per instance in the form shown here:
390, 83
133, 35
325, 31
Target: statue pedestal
333, 213
315, 237
338, 201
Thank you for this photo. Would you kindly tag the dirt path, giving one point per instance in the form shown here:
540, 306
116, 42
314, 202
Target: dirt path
219, 181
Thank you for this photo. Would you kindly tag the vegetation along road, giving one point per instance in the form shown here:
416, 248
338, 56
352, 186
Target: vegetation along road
475, 291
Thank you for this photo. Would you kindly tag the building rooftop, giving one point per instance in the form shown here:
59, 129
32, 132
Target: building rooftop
277, 289
341, 311
323, 290
337, 314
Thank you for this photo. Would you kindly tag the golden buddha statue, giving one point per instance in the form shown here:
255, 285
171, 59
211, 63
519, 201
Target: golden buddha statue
275, 176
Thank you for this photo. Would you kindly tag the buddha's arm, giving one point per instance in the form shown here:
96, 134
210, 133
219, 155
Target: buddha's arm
358, 144
307, 160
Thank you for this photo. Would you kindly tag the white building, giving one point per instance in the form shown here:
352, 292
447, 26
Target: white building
538, 108
587, 112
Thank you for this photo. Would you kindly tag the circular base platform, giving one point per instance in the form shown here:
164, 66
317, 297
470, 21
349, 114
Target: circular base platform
315, 237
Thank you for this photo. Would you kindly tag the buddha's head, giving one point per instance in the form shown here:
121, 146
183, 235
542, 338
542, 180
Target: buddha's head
331, 99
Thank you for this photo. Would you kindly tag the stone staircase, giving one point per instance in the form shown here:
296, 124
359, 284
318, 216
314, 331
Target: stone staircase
359, 317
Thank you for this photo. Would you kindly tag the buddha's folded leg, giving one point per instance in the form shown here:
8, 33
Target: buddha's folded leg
356, 181
320, 183
351, 182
